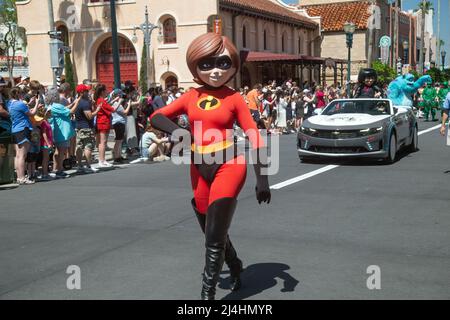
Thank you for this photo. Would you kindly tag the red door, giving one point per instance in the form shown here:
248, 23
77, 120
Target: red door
128, 63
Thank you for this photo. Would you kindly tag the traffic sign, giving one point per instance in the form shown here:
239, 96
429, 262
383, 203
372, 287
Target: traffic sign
385, 41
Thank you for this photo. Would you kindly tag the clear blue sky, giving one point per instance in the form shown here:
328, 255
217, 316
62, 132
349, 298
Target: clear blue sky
445, 21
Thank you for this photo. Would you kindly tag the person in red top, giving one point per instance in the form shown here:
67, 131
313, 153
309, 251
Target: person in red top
103, 122
212, 109
320, 98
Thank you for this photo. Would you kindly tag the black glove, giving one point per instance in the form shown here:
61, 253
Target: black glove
259, 157
263, 190
162, 123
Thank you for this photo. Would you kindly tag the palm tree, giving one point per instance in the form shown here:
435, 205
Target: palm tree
425, 7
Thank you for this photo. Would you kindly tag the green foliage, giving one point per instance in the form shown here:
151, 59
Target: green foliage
68, 67
143, 72
8, 13
8, 18
428, 6
385, 73
446, 74
435, 74
415, 74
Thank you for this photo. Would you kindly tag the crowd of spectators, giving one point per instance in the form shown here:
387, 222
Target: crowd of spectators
281, 109
53, 128
56, 128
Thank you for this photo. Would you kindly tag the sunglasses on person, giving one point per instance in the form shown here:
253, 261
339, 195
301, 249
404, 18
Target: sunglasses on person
221, 62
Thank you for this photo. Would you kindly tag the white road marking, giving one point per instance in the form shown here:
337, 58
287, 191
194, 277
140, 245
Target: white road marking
324, 169
303, 177
429, 130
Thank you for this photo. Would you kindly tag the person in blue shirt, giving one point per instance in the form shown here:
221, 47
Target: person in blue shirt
62, 127
21, 128
445, 109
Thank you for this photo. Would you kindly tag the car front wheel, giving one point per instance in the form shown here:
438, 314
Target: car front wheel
414, 146
392, 151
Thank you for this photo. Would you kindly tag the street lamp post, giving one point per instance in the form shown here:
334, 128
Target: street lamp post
349, 29
405, 51
51, 21
443, 54
147, 28
424, 59
115, 45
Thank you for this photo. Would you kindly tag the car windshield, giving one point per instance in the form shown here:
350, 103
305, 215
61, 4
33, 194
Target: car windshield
372, 107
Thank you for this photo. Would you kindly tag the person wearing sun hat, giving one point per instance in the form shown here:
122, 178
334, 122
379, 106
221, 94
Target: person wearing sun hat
84, 116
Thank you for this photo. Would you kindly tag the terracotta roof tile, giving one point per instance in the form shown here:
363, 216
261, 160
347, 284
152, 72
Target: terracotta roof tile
334, 15
270, 8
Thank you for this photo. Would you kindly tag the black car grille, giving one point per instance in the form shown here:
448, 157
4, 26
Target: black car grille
338, 149
337, 134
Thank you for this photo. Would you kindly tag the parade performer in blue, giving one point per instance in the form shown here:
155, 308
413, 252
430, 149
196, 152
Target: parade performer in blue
401, 90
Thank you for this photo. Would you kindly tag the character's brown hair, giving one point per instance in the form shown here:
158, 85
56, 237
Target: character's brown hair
208, 45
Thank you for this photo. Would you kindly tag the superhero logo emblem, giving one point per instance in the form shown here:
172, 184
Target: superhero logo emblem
208, 103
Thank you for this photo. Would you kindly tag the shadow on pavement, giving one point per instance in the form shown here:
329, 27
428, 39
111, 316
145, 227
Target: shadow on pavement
360, 162
259, 277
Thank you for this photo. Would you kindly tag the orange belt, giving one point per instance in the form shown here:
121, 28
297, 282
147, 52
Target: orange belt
214, 147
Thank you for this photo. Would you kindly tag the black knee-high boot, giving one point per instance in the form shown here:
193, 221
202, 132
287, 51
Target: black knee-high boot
231, 258
218, 220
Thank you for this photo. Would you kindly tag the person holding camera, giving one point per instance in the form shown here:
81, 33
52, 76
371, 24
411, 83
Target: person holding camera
103, 122
84, 116
119, 121
21, 130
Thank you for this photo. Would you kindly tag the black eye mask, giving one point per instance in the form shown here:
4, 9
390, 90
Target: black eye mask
222, 62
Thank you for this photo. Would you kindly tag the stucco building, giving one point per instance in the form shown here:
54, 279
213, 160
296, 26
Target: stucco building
276, 40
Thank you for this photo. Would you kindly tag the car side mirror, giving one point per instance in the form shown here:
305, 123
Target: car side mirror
396, 110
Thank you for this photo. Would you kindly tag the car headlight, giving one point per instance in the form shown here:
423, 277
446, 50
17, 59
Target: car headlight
309, 131
370, 131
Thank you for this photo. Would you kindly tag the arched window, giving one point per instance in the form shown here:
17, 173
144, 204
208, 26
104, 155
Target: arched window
283, 42
265, 40
169, 31
244, 36
171, 81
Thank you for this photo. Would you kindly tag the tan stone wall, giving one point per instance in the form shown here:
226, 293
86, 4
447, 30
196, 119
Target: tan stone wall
335, 45
89, 25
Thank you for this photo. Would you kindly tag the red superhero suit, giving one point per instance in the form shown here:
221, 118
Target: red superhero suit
215, 109
212, 110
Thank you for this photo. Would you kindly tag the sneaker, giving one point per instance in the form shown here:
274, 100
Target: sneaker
61, 175
45, 178
159, 159
80, 170
166, 158
118, 161
90, 170
25, 181
104, 165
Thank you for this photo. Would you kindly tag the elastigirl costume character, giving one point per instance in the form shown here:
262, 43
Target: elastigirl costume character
214, 61
367, 88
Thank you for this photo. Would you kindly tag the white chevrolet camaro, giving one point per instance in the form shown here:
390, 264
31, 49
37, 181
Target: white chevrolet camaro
371, 128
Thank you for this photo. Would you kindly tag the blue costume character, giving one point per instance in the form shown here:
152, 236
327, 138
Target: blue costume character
401, 90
